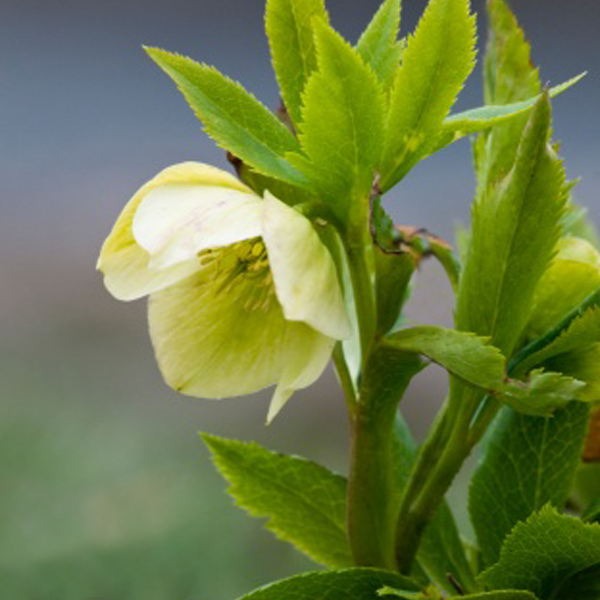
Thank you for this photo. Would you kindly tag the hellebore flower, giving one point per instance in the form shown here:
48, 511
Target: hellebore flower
243, 293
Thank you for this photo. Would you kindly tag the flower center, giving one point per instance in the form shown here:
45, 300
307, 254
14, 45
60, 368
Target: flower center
243, 268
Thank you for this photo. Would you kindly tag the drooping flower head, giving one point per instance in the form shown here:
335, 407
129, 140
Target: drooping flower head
243, 293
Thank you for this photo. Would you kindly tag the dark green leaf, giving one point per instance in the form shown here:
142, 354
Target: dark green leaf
291, 38
304, 502
592, 513
554, 556
435, 64
235, 119
350, 584
379, 45
394, 272
529, 462
500, 595
394, 267
582, 332
342, 123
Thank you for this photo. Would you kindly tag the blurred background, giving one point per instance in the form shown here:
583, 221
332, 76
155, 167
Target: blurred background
105, 489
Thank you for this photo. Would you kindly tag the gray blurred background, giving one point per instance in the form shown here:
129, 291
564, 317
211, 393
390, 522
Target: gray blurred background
105, 489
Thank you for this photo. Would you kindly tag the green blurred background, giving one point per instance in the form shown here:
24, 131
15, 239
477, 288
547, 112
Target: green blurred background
105, 489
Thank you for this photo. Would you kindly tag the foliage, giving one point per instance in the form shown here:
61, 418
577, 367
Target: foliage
260, 282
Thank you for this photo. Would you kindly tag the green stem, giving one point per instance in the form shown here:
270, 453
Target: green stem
370, 486
345, 378
364, 294
439, 461
428, 454
430, 497
371, 511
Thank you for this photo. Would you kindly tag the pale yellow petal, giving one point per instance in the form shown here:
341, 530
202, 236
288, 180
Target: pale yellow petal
308, 353
176, 222
125, 265
304, 273
212, 342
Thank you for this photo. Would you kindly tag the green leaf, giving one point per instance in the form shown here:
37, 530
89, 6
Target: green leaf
582, 332
585, 366
509, 77
235, 119
485, 117
394, 272
578, 224
554, 556
514, 232
475, 361
394, 267
465, 355
500, 595
342, 123
354, 584
379, 45
592, 512
304, 502
429, 594
435, 65
441, 550
573, 275
542, 393
529, 462
289, 26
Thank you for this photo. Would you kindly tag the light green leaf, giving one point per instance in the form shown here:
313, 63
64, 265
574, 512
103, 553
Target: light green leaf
379, 45
435, 65
554, 556
572, 276
515, 229
528, 463
441, 550
354, 584
304, 502
465, 355
542, 393
509, 77
485, 117
289, 26
342, 123
235, 119
578, 224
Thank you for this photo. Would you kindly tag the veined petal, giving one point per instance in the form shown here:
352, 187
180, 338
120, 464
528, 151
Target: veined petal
217, 338
304, 273
308, 353
127, 275
175, 222
124, 263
